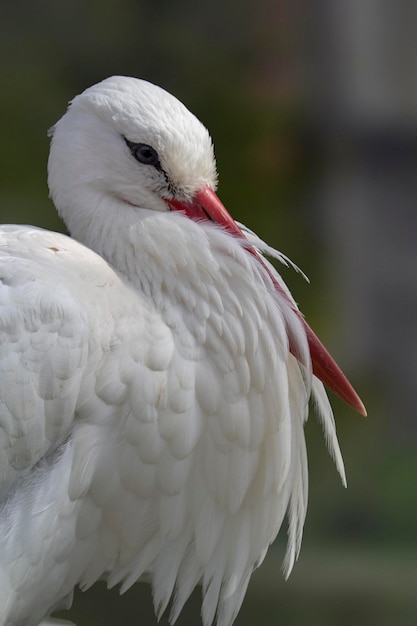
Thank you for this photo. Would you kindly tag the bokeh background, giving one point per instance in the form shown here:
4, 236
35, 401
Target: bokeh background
313, 111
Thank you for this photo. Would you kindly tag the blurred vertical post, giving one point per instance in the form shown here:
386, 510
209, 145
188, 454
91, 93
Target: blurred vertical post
362, 95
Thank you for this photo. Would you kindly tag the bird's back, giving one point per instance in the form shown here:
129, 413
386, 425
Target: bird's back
63, 314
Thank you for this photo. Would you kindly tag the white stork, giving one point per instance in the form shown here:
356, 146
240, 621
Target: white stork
155, 374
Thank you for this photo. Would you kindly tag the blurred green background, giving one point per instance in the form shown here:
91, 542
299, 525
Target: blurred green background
313, 111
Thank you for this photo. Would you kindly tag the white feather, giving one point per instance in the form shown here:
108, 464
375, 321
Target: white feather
151, 414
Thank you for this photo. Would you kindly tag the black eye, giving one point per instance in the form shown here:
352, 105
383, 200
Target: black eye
143, 153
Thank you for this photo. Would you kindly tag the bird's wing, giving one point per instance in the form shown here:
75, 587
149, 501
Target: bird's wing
74, 340
46, 283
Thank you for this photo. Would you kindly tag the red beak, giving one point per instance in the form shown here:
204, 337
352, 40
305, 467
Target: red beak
207, 206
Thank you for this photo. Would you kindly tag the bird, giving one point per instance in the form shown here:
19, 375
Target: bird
155, 374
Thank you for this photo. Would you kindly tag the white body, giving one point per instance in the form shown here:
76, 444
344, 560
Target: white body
151, 415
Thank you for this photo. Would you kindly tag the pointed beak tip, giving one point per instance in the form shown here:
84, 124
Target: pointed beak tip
351, 398
361, 408
344, 390
347, 393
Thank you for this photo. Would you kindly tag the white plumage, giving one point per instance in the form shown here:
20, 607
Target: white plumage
151, 408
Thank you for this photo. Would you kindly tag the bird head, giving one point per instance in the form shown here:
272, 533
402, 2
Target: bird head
133, 141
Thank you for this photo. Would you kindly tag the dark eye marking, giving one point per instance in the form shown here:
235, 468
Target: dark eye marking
144, 154
148, 156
